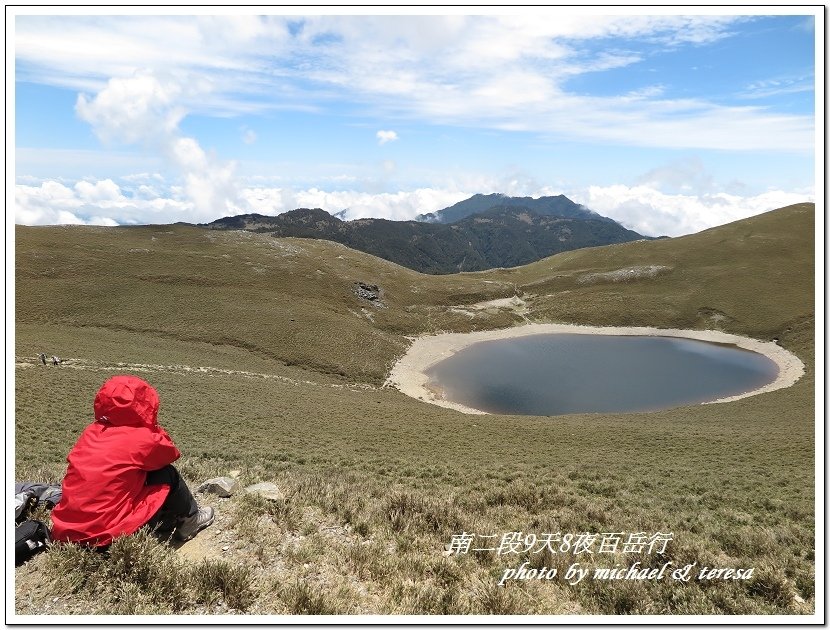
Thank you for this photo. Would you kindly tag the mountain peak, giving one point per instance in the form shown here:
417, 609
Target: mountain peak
556, 205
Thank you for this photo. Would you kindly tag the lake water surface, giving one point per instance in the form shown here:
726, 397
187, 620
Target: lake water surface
553, 374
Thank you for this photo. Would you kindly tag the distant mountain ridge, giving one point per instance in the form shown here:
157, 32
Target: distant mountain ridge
555, 206
507, 234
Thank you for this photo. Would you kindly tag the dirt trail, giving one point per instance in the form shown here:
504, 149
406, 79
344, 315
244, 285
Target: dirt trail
75, 363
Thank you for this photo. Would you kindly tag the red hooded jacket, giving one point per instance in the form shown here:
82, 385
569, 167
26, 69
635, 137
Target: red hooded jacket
104, 495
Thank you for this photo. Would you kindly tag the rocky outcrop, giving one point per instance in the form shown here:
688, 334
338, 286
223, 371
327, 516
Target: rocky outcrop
369, 292
266, 490
221, 486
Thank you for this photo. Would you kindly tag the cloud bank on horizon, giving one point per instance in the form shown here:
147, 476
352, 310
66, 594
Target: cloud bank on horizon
667, 123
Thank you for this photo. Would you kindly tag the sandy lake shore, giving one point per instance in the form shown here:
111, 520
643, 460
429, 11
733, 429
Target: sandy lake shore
409, 373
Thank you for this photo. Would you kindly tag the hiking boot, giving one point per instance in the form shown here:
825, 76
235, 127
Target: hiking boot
192, 525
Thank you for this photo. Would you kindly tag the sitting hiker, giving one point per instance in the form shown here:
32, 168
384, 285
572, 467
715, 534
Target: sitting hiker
120, 476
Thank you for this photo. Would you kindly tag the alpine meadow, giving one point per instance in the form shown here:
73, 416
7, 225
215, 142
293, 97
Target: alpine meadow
271, 364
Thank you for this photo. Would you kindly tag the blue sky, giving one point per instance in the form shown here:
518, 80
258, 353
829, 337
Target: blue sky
669, 123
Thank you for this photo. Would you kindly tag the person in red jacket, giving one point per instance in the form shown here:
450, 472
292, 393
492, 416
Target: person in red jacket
120, 474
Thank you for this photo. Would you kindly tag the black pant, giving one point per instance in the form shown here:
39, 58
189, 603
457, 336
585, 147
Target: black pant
179, 502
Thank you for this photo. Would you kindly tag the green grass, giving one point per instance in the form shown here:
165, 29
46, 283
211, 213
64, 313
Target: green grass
377, 483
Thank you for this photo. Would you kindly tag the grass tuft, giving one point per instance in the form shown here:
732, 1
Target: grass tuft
217, 580
140, 574
302, 599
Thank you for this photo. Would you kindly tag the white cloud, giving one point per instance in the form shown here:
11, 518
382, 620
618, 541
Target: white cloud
504, 72
509, 73
686, 175
400, 206
55, 191
210, 184
780, 85
145, 110
105, 190
654, 213
137, 109
248, 136
52, 203
83, 52
386, 136
146, 178
42, 163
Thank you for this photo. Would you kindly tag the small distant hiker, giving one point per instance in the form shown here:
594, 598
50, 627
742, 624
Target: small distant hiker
120, 475
42, 357
56, 360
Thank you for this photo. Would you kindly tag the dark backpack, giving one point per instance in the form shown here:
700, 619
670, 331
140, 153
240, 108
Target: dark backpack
30, 538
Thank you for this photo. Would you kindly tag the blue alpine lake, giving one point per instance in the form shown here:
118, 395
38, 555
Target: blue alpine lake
554, 374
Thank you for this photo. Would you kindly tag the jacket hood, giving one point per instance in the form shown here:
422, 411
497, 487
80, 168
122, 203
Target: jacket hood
127, 401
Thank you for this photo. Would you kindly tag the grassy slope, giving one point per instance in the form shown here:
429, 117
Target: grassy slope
396, 477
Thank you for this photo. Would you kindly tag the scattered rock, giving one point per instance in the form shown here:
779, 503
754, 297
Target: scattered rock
221, 486
234, 474
798, 599
369, 292
641, 272
266, 490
